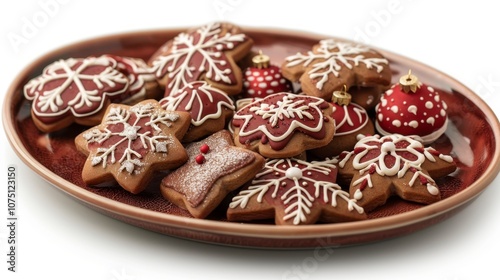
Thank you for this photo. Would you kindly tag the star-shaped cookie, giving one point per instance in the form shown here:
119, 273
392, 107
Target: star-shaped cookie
295, 192
131, 143
215, 167
332, 64
380, 167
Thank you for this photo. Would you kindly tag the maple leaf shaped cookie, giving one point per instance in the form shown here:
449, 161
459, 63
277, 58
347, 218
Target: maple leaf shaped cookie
131, 143
210, 108
74, 90
295, 192
215, 167
332, 64
380, 167
284, 125
208, 53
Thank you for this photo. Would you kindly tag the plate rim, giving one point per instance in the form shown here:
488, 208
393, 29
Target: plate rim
254, 230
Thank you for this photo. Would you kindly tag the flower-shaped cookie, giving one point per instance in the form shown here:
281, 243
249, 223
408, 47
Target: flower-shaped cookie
284, 125
295, 192
131, 143
74, 90
208, 53
332, 64
215, 167
210, 108
393, 165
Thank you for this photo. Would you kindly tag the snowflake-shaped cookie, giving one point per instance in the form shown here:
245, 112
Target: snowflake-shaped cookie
295, 192
73, 90
332, 64
215, 167
210, 108
393, 165
131, 143
284, 125
207, 53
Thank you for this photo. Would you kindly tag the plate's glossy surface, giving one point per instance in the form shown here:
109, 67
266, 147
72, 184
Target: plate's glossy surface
473, 138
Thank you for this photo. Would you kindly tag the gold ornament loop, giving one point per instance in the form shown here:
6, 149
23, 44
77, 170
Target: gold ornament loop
341, 97
261, 60
409, 82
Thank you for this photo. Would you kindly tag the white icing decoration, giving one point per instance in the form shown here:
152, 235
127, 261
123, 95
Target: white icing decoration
131, 159
436, 98
329, 62
290, 106
395, 109
410, 158
293, 173
184, 46
296, 199
430, 89
389, 92
383, 102
194, 91
429, 105
396, 123
360, 113
49, 103
430, 120
413, 124
413, 109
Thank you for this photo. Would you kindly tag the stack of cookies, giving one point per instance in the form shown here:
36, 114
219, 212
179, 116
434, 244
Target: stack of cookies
322, 138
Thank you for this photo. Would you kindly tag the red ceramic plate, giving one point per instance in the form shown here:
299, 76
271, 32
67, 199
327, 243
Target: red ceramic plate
473, 138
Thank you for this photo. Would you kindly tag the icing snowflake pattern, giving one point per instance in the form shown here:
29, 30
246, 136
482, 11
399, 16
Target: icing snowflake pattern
129, 135
331, 56
76, 85
278, 116
201, 100
297, 185
192, 54
392, 155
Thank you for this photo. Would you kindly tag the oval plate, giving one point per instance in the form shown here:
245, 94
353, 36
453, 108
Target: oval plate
473, 138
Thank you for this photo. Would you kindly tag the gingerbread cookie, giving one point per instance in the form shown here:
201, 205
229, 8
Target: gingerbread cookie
295, 192
142, 82
380, 167
351, 121
332, 64
412, 108
208, 53
284, 125
215, 167
210, 108
74, 90
131, 143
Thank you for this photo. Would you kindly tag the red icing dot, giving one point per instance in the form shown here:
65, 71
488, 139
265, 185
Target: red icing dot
200, 159
204, 149
423, 180
363, 185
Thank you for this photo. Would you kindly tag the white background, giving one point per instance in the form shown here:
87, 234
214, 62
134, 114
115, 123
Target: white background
60, 239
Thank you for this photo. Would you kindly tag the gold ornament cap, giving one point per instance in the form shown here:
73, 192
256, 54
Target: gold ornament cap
261, 60
409, 83
341, 97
